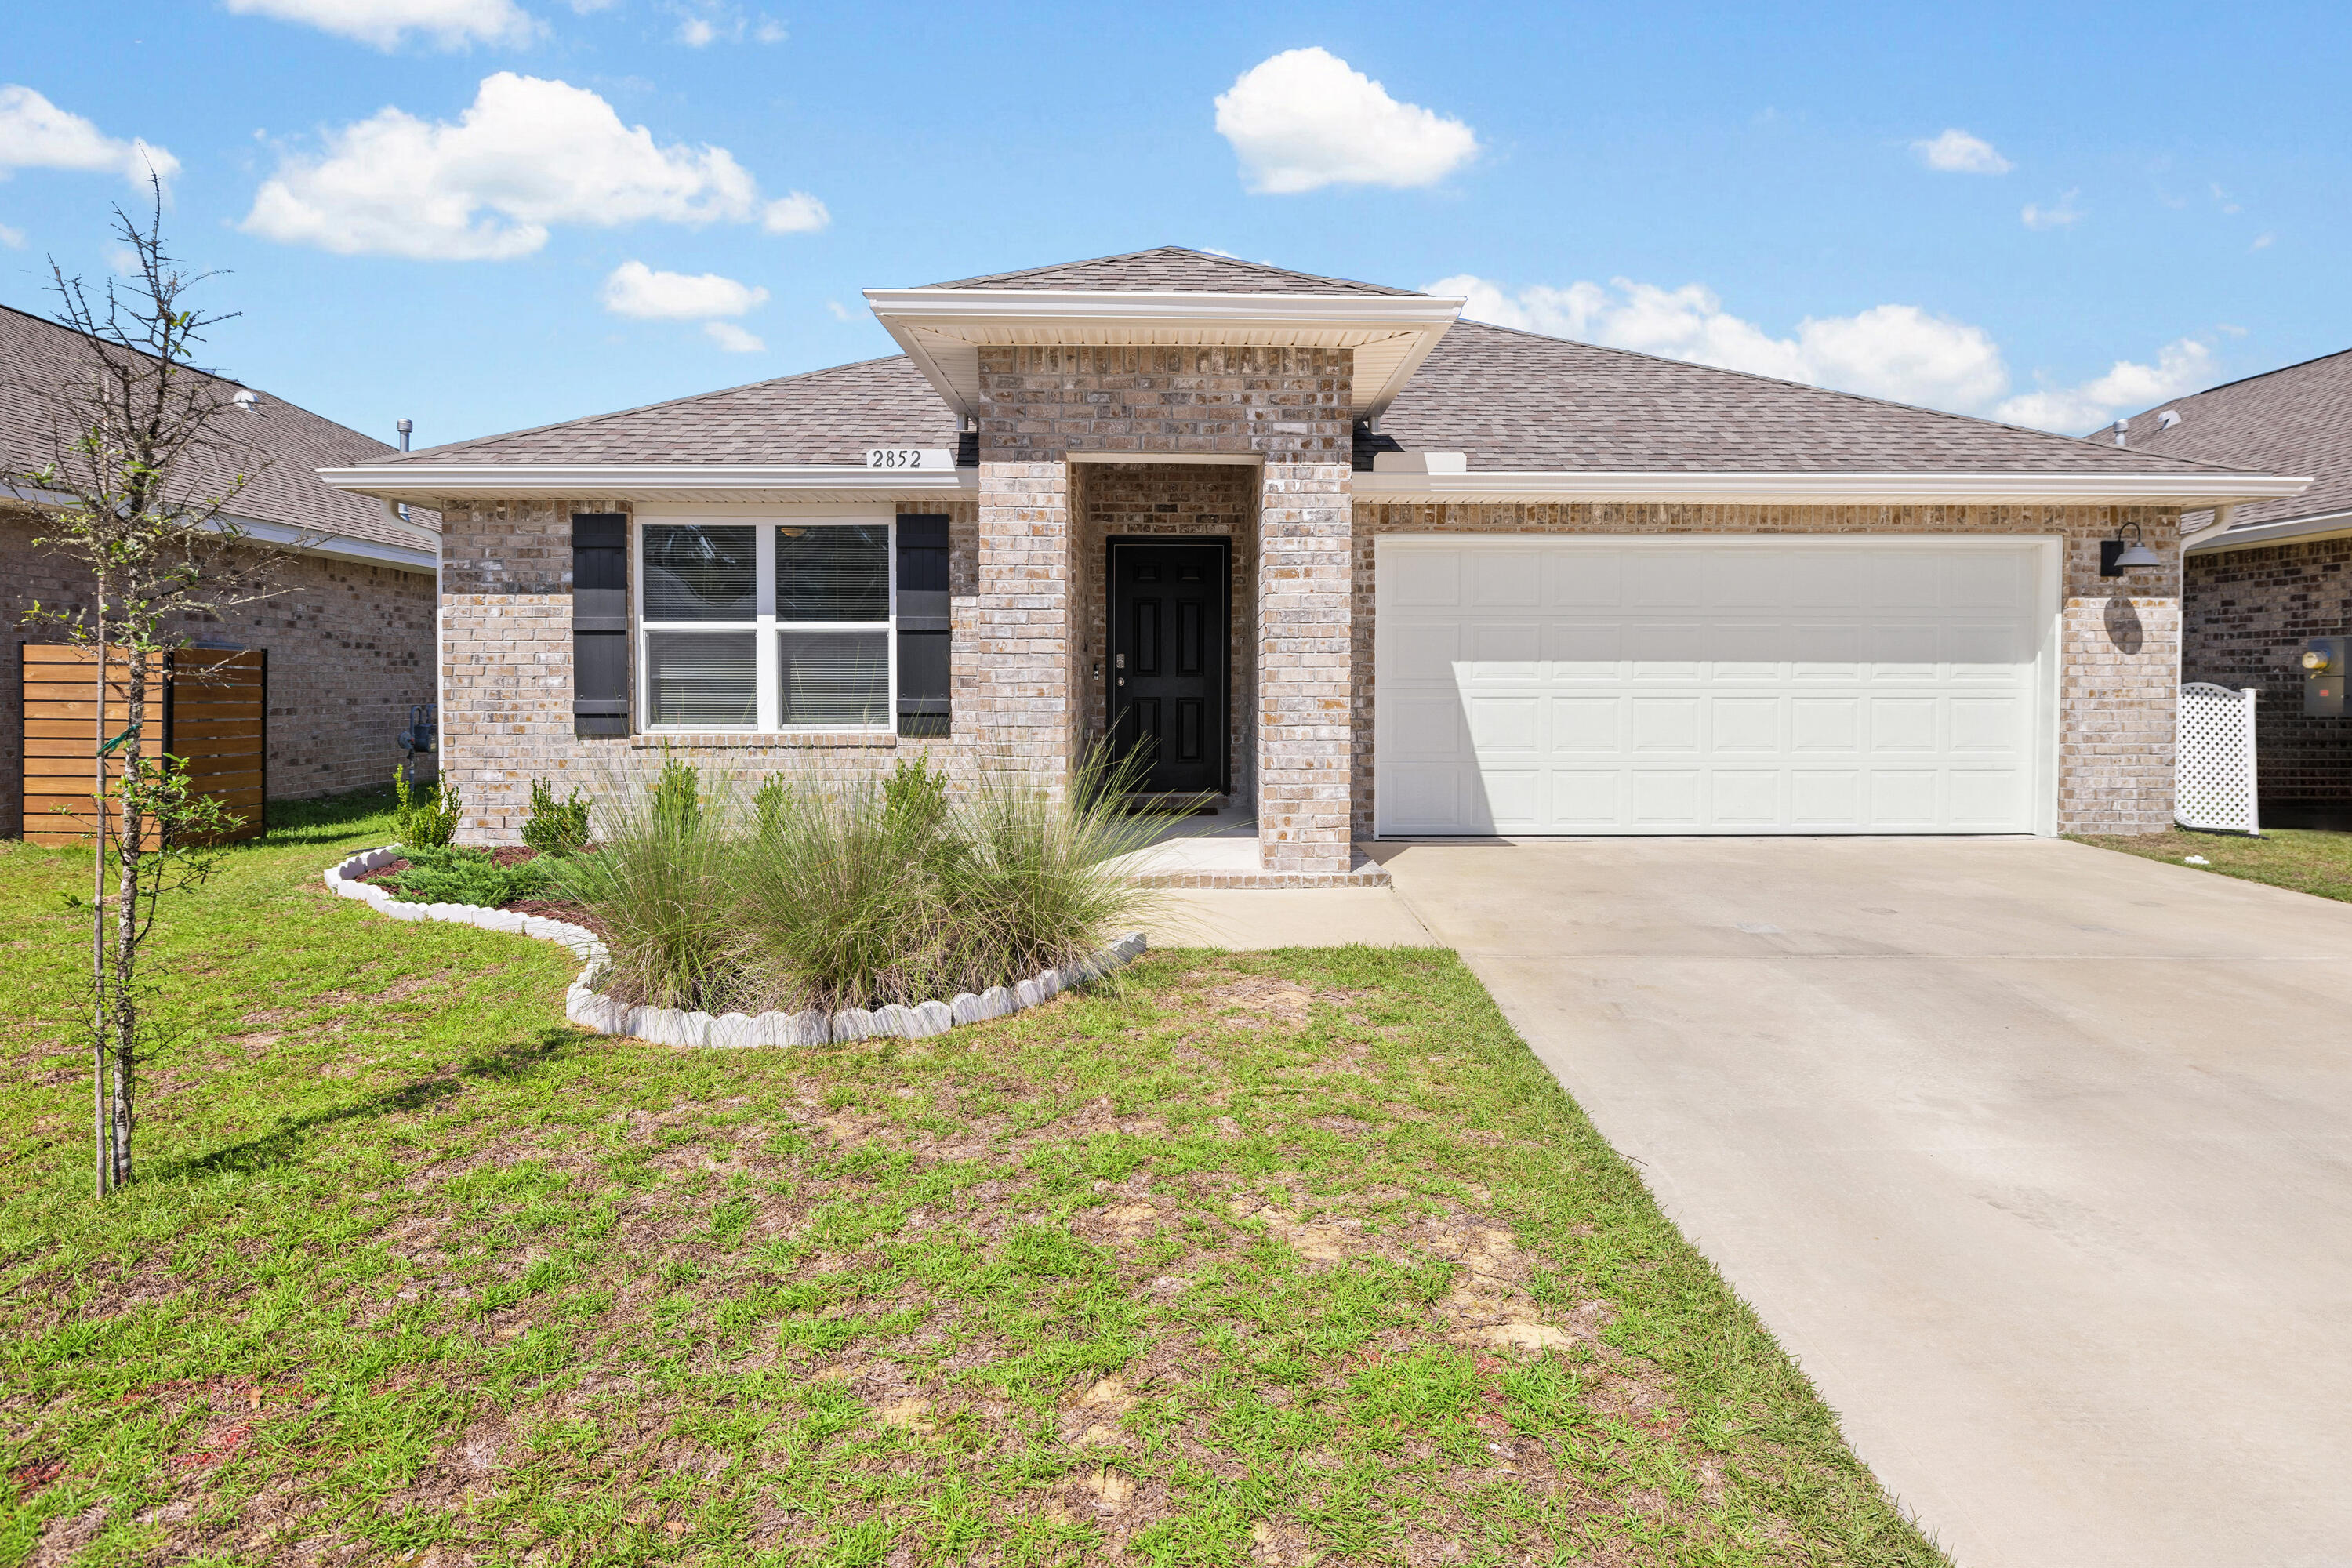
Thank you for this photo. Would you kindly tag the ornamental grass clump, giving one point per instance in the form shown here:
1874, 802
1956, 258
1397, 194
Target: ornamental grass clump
661, 888
830, 893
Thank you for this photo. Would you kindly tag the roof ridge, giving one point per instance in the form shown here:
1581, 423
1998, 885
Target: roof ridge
1841, 392
588, 421
2241, 381
1213, 257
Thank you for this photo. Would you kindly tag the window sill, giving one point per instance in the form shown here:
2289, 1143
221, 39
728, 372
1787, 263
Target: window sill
764, 739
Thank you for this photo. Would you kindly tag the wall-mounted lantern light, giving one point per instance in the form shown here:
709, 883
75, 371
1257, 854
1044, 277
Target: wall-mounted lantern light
2117, 556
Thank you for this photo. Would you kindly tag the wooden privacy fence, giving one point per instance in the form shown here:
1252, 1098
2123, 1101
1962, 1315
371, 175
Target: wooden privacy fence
209, 707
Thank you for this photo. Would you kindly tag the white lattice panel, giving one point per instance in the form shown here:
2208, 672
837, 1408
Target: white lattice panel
2214, 785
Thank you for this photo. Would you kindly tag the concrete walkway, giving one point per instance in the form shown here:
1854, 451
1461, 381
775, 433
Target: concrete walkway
2038, 1157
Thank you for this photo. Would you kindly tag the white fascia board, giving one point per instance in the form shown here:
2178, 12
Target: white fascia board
1799, 488
982, 315
301, 540
2286, 531
420, 484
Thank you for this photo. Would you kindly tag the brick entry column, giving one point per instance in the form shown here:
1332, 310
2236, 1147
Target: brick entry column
1023, 706
1304, 628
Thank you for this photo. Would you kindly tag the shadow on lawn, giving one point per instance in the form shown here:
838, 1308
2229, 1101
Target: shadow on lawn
323, 819
284, 1145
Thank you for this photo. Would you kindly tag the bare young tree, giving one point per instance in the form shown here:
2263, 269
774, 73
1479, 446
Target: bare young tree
143, 463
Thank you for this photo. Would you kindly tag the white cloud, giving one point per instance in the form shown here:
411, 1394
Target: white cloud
836, 310
733, 338
1898, 352
1958, 152
2063, 215
702, 23
387, 24
2262, 242
636, 289
799, 212
14, 238
36, 134
2127, 387
528, 154
1303, 119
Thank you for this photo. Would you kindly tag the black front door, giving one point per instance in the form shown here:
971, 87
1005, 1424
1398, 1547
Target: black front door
1166, 672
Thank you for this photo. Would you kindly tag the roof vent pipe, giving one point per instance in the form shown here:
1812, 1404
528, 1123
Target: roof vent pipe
2168, 419
405, 426
2121, 427
247, 399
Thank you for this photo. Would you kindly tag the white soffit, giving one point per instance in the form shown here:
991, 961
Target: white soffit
2286, 531
942, 329
423, 484
1782, 488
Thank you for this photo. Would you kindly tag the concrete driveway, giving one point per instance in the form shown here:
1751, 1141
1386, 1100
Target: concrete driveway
2037, 1157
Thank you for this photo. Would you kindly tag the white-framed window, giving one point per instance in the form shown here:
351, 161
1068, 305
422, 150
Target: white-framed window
766, 625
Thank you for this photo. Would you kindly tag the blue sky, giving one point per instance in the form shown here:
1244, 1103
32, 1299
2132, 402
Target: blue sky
490, 213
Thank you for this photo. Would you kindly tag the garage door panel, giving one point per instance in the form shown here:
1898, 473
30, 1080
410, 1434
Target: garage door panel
1744, 724
1586, 724
1904, 797
1903, 723
1744, 797
1667, 800
1504, 650
1506, 579
1583, 579
1759, 688
1667, 724
1499, 724
1656, 580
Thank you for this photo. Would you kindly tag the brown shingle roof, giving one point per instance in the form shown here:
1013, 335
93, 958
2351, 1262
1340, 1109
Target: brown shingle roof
1514, 400
822, 417
40, 357
1511, 400
2297, 420
1172, 268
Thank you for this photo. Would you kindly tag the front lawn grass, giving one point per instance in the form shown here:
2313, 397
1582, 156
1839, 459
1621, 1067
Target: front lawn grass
1278, 1258
2307, 860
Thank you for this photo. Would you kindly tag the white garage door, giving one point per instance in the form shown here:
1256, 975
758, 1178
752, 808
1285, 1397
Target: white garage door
1748, 685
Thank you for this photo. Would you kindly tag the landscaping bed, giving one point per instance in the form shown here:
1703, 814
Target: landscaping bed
2307, 860
1238, 1259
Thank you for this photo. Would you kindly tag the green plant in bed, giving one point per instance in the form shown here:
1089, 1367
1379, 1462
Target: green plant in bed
450, 875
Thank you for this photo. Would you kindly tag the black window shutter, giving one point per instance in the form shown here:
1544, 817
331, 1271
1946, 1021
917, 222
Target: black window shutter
922, 619
599, 622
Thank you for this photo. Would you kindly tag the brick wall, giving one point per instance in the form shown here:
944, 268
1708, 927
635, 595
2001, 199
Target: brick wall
1177, 500
2248, 613
506, 716
351, 650
1289, 408
2119, 647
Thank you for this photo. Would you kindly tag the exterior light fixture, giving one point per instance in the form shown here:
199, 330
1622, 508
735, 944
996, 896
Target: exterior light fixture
2117, 556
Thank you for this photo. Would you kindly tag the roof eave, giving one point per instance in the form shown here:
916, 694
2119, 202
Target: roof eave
2012, 488
287, 536
920, 319
2286, 530
426, 484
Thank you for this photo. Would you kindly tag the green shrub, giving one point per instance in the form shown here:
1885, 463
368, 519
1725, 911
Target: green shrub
424, 824
556, 827
447, 874
676, 800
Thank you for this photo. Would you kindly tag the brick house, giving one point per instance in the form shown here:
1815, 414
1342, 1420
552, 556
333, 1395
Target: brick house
1324, 551
2262, 577
348, 629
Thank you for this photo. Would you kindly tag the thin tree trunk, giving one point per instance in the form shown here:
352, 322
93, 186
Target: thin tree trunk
104, 1148
126, 919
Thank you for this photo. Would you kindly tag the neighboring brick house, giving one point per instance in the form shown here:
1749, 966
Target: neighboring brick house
2275, 572
1320, 548
349, 627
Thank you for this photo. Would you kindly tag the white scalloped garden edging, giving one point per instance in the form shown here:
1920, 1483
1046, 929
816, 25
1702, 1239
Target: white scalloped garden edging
591, 1009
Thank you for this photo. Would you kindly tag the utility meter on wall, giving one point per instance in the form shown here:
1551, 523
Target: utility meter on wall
2323, 660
